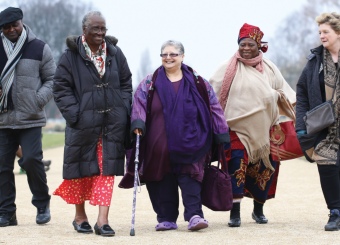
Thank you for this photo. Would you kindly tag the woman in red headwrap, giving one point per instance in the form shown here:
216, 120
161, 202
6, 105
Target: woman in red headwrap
246, 86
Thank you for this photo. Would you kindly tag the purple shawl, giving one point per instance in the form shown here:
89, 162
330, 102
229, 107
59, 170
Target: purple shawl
187, 118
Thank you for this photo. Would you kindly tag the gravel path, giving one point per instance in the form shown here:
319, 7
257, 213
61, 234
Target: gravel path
296, 216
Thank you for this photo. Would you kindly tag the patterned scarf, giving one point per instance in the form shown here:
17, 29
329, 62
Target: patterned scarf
325, 152
256, 62
98, 58
7, 74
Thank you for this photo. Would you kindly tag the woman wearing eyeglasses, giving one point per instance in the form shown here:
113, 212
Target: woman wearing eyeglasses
246, 87
93, 90
177, 114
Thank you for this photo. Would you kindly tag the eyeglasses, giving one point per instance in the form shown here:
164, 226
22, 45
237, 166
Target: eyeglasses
172, 55
97, 29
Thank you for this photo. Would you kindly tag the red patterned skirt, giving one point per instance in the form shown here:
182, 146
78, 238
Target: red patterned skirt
97, 189
249, 179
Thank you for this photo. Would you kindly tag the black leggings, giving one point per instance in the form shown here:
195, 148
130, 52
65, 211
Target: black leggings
330, 184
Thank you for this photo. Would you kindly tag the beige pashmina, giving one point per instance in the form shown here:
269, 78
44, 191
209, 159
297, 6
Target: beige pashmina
251, 108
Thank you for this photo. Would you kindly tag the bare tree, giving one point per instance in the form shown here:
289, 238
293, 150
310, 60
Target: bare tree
52, 21
296, 36
145, 67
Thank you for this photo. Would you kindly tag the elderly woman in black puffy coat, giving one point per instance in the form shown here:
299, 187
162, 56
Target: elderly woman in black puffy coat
93, 90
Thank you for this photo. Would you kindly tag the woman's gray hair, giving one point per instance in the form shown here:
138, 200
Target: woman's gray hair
85, 21
178, 45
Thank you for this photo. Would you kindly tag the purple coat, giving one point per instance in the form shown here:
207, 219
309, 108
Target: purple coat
153, 158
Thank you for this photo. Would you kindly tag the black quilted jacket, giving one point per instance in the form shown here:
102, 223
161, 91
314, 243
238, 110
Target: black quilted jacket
93, 107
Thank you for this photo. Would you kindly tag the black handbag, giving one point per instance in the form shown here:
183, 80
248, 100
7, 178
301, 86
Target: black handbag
320, 117
216, 193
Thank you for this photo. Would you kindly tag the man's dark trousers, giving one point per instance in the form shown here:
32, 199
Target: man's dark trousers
30, 141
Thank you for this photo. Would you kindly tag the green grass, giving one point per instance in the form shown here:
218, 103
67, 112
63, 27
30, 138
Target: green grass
53, 139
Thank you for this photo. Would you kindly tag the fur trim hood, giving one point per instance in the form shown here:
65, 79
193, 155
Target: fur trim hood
72, 42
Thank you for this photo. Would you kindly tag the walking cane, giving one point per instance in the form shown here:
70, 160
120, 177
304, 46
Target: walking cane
135, 184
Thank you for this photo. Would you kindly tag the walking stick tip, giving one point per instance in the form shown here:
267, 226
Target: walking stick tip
132, 232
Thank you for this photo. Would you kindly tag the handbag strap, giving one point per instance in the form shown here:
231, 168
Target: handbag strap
285, 106
221, 158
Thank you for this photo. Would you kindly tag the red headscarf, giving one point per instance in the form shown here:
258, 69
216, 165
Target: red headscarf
253, 32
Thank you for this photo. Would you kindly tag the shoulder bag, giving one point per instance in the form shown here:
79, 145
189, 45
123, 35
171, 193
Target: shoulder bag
284, 144
216, 193
321, 116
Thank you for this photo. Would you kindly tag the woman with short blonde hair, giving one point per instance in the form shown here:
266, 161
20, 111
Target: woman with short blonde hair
319, 82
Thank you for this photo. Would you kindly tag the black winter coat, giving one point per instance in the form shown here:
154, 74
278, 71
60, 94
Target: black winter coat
310, 92
93, 107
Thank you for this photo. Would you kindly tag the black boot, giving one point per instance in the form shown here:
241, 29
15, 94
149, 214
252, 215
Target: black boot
7, 219
333, 221
235, 218
257, 214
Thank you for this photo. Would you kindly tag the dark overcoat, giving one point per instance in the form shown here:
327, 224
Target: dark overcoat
93, 107
310, 92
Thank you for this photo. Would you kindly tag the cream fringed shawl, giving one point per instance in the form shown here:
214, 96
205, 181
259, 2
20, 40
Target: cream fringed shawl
251, 108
